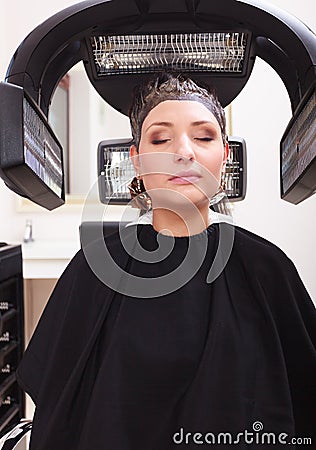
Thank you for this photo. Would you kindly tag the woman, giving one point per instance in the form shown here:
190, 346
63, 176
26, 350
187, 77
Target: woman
182, 330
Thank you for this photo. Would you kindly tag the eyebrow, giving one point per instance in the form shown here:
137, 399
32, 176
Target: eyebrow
170, 124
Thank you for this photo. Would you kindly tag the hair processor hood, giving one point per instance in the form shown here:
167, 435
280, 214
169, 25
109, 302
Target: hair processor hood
123, 42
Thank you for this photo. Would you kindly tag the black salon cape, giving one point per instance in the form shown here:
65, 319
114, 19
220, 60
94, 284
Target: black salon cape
112, 372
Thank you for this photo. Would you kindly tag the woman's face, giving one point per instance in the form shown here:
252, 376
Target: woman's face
181, 153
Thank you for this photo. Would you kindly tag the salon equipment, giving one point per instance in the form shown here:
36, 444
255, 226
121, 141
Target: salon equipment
17, 438
88, 231
298, 152
30, 154
28, 233
123, 42
115, 170
11, 335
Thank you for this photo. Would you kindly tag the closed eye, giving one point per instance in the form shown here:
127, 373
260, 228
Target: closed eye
205, 139
159, 141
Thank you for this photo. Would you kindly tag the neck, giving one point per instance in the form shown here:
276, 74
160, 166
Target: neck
186, 223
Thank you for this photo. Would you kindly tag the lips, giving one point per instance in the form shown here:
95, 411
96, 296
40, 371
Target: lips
184, 177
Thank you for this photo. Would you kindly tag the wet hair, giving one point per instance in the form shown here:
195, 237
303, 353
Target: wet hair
169, 86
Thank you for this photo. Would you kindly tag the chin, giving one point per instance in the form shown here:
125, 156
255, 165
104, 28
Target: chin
178, 204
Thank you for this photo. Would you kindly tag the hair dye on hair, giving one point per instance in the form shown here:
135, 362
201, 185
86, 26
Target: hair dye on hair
168, 86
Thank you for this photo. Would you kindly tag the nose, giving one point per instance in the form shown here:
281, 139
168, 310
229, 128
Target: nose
183, 150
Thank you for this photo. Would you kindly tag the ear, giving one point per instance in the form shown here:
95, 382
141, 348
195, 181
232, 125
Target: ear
134, 155
226, 153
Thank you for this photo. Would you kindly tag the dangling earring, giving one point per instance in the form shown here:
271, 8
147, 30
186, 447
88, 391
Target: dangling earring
140, 198
220, 194
223, 180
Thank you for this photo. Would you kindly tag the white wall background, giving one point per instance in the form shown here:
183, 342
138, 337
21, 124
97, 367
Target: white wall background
260, 115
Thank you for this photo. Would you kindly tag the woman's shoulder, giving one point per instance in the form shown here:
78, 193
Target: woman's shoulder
247, 246
96, 252
258, 249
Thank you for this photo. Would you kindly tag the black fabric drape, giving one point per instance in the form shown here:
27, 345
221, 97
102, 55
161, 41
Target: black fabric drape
109, 371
